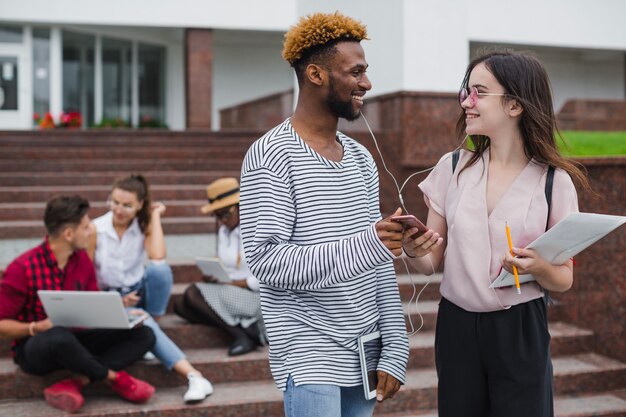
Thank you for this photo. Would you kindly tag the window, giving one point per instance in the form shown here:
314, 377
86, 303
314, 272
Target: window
8, 83
41, 72
116, 80
151, 85
10, 34
78, 75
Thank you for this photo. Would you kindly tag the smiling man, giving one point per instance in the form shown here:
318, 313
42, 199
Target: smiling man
313, 235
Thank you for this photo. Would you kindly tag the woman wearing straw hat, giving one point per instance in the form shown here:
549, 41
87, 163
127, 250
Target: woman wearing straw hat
236, 308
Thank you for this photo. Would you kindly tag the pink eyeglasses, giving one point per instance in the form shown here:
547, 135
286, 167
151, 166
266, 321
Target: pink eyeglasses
473, 95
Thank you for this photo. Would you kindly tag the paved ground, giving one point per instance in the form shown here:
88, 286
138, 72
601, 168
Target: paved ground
179, 247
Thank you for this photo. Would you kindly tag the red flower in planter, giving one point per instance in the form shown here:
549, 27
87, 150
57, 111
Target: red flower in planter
72, 119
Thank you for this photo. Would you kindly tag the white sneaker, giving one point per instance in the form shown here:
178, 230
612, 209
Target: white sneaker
149, 356
199, 388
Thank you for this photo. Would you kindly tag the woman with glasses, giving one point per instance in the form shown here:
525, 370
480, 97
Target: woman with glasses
124, 238
492, 345
235, 308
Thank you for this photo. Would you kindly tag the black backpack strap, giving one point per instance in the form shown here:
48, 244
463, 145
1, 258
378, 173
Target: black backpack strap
455, 159
548, 191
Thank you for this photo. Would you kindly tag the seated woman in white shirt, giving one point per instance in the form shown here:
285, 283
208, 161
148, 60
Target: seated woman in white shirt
123, 237
236, 307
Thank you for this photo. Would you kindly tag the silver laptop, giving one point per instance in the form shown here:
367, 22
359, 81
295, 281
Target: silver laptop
89, 309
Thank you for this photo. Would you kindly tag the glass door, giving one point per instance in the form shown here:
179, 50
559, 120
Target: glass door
12, 88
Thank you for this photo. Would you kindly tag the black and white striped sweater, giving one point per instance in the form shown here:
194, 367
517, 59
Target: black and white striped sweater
307, 225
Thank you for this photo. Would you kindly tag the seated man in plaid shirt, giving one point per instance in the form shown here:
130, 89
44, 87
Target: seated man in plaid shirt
61, 263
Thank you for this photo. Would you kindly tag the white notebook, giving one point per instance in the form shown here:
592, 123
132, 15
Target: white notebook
566, 239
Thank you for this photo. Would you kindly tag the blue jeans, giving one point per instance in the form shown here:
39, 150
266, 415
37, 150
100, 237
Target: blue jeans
154, 288
312, 400
164, 348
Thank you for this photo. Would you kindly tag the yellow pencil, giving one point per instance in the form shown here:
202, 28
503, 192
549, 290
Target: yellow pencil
508, 237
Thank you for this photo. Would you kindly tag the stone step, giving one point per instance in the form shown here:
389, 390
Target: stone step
123, 165
584, 373
263, 400
598, 405
38, 194
181, 248
49, 153
214, 363
567, 339
242, 399
171, 225
120, 138
35, 211
56, 178
219, 367
183, 333
134, 151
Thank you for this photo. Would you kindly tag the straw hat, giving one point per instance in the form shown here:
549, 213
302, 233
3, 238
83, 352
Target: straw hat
221, 193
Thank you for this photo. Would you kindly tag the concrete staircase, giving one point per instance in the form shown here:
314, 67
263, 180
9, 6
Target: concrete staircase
586, 383
35, 166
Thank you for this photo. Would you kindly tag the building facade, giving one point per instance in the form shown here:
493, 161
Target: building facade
177, 64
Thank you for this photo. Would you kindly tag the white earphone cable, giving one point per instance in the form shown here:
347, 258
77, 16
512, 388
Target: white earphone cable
412, 329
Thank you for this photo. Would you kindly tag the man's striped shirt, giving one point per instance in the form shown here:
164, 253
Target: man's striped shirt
308, 232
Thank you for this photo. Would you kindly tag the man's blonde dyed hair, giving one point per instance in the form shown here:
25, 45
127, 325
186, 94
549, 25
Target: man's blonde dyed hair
318, 29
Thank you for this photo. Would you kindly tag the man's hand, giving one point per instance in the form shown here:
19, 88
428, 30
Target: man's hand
131, 299
387, 386
390, 233
42, 326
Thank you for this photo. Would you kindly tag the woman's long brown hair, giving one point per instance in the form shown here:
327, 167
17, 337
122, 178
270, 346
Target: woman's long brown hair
137, 184
525, 80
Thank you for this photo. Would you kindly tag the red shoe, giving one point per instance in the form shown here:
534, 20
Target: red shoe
132, 389
65, 395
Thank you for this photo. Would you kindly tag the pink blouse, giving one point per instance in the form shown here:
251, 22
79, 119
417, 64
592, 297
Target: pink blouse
477, 241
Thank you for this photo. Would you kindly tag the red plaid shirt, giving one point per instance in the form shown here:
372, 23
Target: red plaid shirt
35, 270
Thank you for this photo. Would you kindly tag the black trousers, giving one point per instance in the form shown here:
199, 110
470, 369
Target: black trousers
494, 364
87, 352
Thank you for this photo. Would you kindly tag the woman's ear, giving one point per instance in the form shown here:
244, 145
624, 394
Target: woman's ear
315, 74
514, 108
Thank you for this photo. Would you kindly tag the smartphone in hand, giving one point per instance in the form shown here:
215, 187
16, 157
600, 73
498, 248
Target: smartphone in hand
408, 221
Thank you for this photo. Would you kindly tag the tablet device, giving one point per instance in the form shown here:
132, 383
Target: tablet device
89, 309
213, 267
370, 346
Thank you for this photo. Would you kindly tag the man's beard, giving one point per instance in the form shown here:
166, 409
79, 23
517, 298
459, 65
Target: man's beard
339, 108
